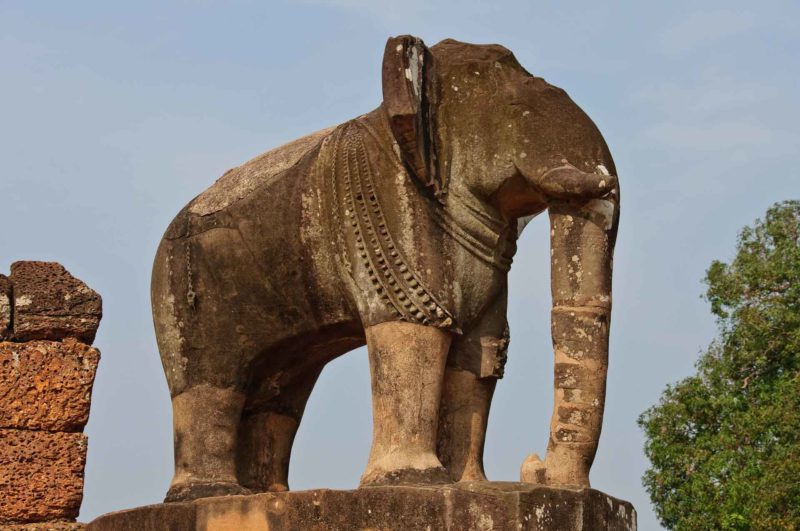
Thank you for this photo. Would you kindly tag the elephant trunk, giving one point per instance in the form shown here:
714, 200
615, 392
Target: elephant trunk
582, 239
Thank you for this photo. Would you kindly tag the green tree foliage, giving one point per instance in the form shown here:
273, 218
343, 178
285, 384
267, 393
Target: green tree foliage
725, 443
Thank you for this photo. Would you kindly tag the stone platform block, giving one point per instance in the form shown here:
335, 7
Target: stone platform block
461, 507
41, 475
49, 303
46, 385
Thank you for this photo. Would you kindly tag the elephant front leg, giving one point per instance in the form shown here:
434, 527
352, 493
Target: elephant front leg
462, 423
475, 363
407, 368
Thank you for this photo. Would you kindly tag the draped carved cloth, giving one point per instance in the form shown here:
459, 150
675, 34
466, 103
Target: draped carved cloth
390, 251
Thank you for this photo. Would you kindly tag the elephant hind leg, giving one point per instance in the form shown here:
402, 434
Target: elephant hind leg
266, 435
205, 421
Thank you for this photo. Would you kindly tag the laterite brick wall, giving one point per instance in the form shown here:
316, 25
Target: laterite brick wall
48, 321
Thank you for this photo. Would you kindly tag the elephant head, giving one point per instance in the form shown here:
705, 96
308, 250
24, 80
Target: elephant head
470, 121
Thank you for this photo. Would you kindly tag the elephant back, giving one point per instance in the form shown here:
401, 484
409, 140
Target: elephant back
237, 183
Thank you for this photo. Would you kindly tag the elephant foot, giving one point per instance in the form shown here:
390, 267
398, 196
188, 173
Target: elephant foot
184, 492
278, 487
564, 473
407, 476
472, 472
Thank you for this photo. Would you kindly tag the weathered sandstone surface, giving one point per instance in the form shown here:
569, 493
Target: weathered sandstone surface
465, 506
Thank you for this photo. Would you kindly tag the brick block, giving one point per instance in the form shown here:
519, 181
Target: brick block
46, 385
41, 475
49, 303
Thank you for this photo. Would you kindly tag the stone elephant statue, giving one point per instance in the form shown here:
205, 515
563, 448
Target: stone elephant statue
396, 230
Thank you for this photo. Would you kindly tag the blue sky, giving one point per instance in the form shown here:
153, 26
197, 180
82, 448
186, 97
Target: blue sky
113, 115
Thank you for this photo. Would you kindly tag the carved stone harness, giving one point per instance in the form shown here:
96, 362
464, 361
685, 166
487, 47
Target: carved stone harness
356, 208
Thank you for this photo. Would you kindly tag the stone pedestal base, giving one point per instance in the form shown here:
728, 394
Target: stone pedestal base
461, 507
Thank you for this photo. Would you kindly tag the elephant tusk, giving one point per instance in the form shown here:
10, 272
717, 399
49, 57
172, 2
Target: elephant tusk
568, 182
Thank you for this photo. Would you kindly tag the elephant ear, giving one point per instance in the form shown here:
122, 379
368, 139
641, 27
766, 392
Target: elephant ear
409, 94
